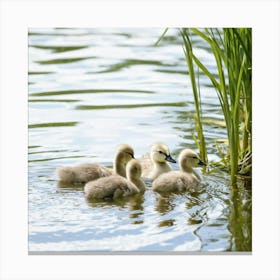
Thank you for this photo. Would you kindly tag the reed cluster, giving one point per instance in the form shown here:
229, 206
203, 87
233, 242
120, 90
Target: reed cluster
232, 51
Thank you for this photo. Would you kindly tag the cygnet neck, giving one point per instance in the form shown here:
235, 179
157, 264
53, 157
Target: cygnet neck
161, 166
186, 169
158, 168
119, 167
159, 163
189, 170
137, 182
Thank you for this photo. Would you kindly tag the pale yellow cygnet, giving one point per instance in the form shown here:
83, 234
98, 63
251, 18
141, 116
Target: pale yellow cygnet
181, 180
156, 163
86, 172
115, 186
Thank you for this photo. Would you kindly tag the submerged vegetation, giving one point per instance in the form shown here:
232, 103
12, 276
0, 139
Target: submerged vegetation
232, 51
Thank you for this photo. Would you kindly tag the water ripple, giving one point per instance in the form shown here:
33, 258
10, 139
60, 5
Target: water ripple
123, 89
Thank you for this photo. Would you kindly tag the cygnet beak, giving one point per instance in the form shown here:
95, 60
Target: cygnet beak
170, 159
132, 156
201, 163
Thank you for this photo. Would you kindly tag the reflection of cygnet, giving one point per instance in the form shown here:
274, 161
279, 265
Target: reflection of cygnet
91, 171
183, 179
116, 186
156, 163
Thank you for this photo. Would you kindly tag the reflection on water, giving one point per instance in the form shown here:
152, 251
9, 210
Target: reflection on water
165, 204
240, 219
89, 91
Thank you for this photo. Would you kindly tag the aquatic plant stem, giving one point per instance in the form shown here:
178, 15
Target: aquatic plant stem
231, 49
200, 140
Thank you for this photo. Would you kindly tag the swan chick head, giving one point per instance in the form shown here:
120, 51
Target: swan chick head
125, 152
133, 169
188, 159
160, 153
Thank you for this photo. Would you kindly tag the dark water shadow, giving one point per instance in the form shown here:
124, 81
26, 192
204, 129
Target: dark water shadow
63, 60
128, 106
130, 62
40, 72
169, 71
53, 124
86, 91
59, 49
165, 203
70, 186
135, 201
133, 204
54, 100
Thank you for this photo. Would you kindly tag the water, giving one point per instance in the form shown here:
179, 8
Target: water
93, 89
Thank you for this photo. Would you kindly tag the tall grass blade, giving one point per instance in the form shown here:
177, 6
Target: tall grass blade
187, 48
231, 49
161, 37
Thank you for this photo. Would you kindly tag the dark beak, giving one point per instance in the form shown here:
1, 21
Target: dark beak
201, 163
131, 155
170, 159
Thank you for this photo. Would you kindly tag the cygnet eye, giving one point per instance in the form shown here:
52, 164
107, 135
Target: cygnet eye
161, 152
194, 157
130, 154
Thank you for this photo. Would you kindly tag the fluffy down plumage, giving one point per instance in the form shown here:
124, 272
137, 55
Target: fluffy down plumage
116, 186
182, 180
156, 163
86, 172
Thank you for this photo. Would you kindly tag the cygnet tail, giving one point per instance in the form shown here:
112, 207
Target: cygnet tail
65, 174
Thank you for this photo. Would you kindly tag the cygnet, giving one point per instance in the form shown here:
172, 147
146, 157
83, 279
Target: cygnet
86, 172
181, 180
156, 163
115, 186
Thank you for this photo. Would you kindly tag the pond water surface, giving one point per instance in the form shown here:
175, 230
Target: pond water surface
93, 89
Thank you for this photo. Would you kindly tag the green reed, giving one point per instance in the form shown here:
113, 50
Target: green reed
231, 48
200, 141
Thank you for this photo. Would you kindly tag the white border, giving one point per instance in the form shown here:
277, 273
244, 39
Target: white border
18, 16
